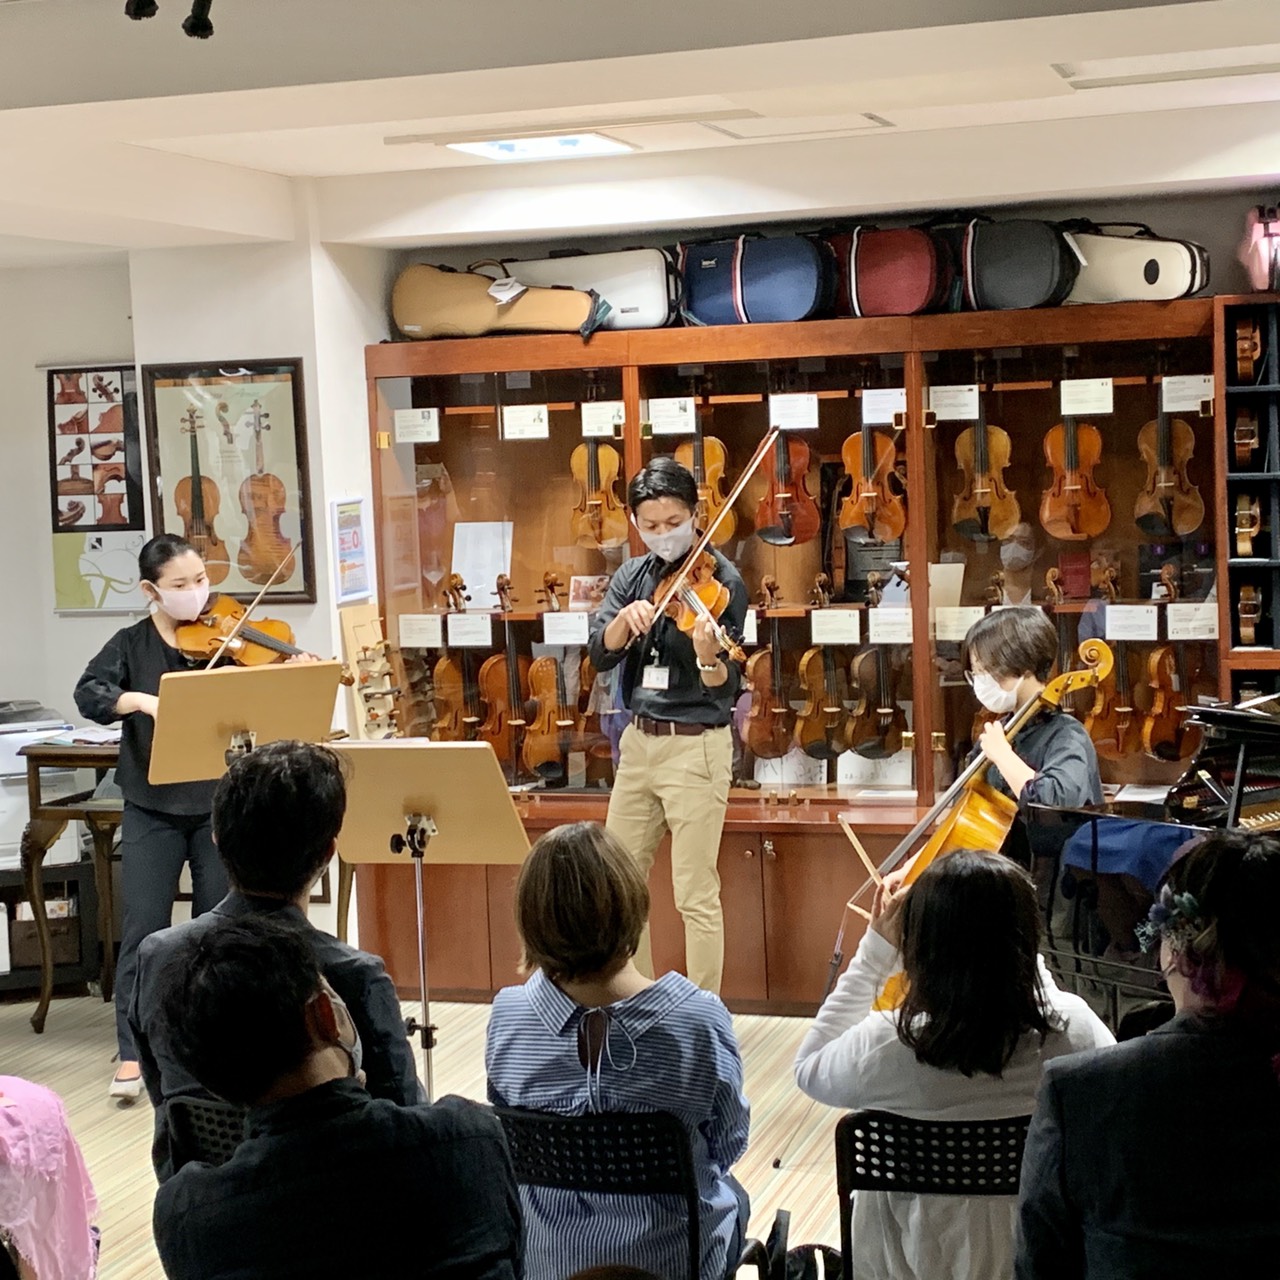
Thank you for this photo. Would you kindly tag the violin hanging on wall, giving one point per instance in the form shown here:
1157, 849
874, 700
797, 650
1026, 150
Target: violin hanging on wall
1074, 508
985, 509
876, 727
599, 519
196, 499
504, 688
707, 458
787, 513
873, 511
770, 721
263, 500
1169, 503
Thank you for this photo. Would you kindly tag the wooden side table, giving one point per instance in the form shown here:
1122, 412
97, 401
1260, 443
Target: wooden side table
46, 821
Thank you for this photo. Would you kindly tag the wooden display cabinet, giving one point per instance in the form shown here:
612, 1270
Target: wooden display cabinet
786, 868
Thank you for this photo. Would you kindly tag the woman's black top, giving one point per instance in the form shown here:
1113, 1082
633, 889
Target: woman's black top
133, 661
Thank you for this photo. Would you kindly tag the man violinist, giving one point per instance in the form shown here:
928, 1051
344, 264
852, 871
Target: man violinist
677, 753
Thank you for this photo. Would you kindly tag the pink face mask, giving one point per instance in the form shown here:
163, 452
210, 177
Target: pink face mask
186, 605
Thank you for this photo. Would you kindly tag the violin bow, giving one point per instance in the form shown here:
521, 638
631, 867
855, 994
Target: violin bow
257, 600
678, 581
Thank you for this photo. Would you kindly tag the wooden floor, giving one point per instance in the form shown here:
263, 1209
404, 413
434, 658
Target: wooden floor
73, 1057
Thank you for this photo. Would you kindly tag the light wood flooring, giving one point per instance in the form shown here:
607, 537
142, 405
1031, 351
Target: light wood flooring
73, 1057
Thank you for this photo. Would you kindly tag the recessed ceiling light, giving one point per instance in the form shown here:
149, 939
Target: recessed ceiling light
554, 147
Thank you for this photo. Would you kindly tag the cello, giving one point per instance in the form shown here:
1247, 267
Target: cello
197, 502
708, 459
770, 721
985, 509
1073, 508
787, 513
504, 687
876, 727
263, 500
1169, 503
872, 506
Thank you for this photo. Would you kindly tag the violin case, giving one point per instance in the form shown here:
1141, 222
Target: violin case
1022, 262
641, 285
889, 272
440, 302
1128, 262
1260, 248
754, 280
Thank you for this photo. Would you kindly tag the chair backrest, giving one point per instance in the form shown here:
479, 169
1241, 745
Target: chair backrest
880, 1151
203, 1129
635, 1153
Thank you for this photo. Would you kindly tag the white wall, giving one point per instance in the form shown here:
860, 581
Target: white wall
48, 315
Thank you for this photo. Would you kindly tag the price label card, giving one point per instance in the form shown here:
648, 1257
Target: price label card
750, 628
417, 426
1133, 622
954, 404
880, 404
565, 628
1192, 621
889, 625
954, 623
673, 415
603, 417
471, 630
797, 412
421, 631
1185, 393
525, 422
835, 626
1082, 396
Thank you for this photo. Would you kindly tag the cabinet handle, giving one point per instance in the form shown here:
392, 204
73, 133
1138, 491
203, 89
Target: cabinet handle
769, 851
748, 853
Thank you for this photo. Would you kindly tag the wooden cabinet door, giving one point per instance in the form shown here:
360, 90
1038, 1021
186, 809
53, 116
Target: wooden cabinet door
504, 940
740, 898
807, 881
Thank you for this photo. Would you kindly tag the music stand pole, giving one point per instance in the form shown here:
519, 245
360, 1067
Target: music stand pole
420, 831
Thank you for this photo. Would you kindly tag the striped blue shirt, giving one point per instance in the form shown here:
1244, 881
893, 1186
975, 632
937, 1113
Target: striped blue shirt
671, 1048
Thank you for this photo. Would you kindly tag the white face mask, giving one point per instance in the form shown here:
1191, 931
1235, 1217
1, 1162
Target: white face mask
989, 692
1016, 555
670, 546
186, 605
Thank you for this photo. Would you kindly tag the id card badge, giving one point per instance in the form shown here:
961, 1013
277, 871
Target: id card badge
658, 678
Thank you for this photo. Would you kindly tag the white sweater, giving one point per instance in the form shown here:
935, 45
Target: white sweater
852, 1058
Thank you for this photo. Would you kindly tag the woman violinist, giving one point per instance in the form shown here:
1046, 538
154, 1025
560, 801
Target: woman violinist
164, 826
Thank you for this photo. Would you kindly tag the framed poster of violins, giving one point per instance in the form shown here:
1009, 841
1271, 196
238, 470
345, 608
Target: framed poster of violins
229, 458
95, 459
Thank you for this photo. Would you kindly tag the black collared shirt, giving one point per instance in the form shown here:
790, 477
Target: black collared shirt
133, 661
336, 1185
686, 698
358, 977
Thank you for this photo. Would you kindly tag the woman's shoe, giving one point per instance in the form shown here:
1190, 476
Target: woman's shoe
127, 1090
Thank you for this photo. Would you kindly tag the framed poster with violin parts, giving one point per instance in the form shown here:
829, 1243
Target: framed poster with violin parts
228, 451
95, 456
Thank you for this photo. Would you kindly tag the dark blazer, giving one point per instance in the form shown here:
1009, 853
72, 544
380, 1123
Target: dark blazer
356, 976
1159, 1158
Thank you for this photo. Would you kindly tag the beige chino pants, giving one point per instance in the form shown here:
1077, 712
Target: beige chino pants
678, 784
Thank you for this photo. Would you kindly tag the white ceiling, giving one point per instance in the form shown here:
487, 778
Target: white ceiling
279, 125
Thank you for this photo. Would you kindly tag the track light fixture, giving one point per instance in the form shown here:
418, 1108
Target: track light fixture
196, 24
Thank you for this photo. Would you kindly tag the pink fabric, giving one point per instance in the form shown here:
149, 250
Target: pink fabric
46, 1198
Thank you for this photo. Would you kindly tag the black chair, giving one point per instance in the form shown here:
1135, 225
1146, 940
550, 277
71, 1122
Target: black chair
880, 1151
204, 1129
637, 1153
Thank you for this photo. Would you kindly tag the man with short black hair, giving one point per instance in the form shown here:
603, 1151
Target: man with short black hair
330, 1183
276, 817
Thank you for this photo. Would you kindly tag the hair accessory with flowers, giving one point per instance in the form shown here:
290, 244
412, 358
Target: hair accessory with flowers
1171, 915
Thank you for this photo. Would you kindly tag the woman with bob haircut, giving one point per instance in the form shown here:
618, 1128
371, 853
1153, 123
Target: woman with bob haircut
980, 1018
588, 1032
1161, 1157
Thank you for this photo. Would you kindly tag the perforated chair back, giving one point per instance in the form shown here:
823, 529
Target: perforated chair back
203, 1129
880, 1151
638, 1154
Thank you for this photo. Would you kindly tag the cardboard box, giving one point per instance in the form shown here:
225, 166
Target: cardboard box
25, 943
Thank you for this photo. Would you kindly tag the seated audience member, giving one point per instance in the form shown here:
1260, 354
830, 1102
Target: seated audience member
980, 1018
276, 817
47, 1203
1161, 1158
589, 1033
330, 1184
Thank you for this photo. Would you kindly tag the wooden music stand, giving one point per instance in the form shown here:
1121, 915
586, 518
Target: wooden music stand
442, 802
208, 718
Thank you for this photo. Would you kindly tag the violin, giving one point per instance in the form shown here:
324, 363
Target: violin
698, 594
708, 460
876, 727
1112, 723
985, 509
550, 593
770, 721
454, 594
504, 688
548, 737
1073, 508
598, 518
869, 456
974, 815
263, 500
196, 499
820, 726
1169, 503
1246, 438
264, 641
787, 513
457, 699
1165, 734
